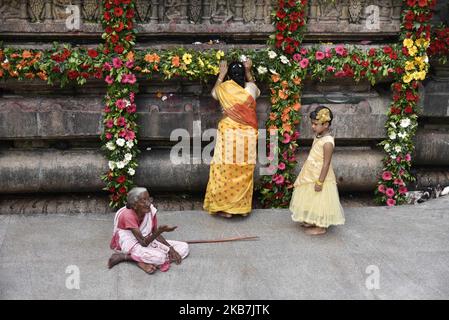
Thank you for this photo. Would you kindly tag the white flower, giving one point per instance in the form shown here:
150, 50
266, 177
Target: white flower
273, 71
393, 157
243, 58
392, 125
272, 54
405, 123
111, 165
129, 144
398, 149
120, 142
387, 147
131, 171
402, 135
392, 136
262, 69
284, 59
110, 146
128, 157
426, 59
121, 164
164, 98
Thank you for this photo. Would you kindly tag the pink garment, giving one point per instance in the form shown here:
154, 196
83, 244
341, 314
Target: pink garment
123, 239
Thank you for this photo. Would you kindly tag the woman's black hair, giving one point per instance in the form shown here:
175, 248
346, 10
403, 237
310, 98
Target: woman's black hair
236, 72
314, 113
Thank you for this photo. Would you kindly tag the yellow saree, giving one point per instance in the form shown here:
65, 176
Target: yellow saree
230, 186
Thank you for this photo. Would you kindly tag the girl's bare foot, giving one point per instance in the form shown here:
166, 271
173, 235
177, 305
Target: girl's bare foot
148, 268
306, 225
316, 231
116, 258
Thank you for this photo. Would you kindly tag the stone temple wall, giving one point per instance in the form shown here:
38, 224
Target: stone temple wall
49, 137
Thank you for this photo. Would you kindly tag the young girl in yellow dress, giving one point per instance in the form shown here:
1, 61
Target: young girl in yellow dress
315, 202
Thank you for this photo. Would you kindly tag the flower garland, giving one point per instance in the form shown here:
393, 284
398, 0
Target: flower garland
402, 118
282, 67
120, 128
439, 44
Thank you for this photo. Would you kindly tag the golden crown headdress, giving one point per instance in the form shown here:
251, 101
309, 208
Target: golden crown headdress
323, 116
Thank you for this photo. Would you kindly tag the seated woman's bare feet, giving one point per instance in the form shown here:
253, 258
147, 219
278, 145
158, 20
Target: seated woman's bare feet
148, 268
116, 258
316, 231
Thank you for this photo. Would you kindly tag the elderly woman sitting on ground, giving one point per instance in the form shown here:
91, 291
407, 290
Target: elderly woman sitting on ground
137, 237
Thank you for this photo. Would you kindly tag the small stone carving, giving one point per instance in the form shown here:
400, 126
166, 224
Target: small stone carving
355, 10
10, 9
195, 10
142, 8
221, 11
91, 10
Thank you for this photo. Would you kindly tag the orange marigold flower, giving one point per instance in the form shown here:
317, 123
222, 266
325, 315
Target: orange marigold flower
283, 94
296, 106
175, 61
287, 127
275, 78
42, 75
273, 116
274, 100
26, 54
29, 75
285, 117
152, 58
284, 84
296, 80
130, 56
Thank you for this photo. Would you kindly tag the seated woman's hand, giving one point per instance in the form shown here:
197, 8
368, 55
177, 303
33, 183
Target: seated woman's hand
165, 228
174, 256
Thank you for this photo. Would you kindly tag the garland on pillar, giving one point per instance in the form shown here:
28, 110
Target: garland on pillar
403, 115
120, 129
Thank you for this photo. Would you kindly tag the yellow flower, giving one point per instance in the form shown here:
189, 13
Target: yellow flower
409, 65
201, 63
219, 54
421, 75
412, 51
187, 58
407, 78
215, 70
408, 43
420, 42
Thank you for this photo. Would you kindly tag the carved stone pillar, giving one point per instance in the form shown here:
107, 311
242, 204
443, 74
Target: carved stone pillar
259, 11
344, 11
238, 11
397, 8
313, 8
23, 9
47, 11
154, 12
206, 12
184, 9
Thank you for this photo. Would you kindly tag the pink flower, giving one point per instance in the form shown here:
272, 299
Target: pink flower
130, 135
107, 66
292, 159
132, 108
287, 138
381, 188
408, 157
109, 80
398, 182
303, 51
295, 136
297, 57
398, 159
330, 69
121, 121
129, 64
391, 202
129, 78
401, 172
328, 53
403, 190
117, 63
110, 123
120, 104
340, 50
285, 155
387, 176
278, 179
107, 109
304, 63
389, 192
132, 95
108, 135
340, 74
319, 55
281, 166
122, 133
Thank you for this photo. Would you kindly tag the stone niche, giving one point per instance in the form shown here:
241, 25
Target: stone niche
232, 18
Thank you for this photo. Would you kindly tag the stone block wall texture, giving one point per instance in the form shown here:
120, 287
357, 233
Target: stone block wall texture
49, 137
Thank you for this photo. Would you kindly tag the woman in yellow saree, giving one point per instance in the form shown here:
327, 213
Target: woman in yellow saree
230, 187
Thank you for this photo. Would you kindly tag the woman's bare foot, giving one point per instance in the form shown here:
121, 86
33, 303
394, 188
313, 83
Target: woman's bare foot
306, 225
316, 231
224, 214
148, 268
116, 258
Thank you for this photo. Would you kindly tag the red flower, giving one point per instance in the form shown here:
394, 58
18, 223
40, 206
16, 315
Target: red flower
121, 179
408, 110
107, 16
281, 14
422, 3
388, 50
118, 12
119, 49
92, 53
122, 190
411, 3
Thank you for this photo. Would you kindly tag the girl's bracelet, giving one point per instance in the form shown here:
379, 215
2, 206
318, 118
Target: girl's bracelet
318, 182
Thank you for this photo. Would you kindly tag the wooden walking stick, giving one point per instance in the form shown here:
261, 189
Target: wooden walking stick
223, 240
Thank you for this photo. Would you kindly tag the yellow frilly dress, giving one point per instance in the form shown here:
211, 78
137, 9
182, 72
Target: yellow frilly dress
318, 208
